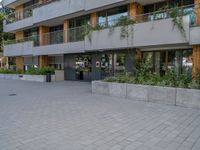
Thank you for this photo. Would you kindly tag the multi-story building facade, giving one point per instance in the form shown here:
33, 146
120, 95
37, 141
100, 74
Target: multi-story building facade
54, 33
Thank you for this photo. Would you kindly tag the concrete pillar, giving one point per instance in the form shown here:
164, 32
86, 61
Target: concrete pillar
19, 63
197, 12
196, 60
93, 19
44, 37
66, 27
43, 61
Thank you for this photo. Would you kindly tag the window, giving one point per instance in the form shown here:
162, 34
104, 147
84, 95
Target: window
76, 29
161, 61
57, 62
109, 17
32, 35
56, 34
28, 8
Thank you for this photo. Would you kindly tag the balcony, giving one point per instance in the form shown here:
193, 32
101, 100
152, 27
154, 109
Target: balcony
146, 30
59, 42
57, 9
153, 29
13, 3
195, 35
19, 49
23, 18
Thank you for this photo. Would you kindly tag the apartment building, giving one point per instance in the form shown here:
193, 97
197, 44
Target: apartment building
89, 41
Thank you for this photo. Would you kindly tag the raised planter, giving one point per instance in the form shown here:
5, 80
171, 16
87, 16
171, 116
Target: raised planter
157, 94
37, 78
59, 75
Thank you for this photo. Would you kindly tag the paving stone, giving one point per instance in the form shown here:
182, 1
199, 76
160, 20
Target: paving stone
67, 116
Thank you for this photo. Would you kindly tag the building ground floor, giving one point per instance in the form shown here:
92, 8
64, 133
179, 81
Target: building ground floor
100, 64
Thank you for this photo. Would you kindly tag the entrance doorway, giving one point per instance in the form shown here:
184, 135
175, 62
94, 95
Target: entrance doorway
83, 67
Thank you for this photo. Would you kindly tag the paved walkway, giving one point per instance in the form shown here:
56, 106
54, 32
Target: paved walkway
66, 116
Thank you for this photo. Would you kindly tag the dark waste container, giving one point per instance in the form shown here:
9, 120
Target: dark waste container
48, 77
81, 75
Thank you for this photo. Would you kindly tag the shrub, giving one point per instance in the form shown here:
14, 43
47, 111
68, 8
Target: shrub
143, 75
31, 71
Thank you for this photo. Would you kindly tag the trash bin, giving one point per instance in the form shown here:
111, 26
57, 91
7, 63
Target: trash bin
48, 77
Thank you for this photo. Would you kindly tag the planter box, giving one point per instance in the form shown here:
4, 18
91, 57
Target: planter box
165, 95
137, 92
37, 78
59, 75
188, 98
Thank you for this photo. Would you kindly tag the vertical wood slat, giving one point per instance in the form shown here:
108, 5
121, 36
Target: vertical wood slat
196, 60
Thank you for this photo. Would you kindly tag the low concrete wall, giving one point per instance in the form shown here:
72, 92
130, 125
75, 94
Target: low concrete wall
188, 98
165, 95
59, 75
37, 78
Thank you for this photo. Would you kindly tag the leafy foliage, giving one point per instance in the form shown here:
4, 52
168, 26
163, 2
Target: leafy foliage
31, 71
143, 75
4, 36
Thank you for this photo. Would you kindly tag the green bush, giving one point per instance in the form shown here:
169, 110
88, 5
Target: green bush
40, 71
144, 75
31, 71
6, 71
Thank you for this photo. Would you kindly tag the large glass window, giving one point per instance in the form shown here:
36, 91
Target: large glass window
109, 17
83, 67
56, 34
28, 8
158, 7
76, 28
32, 35
161, 61
56, 62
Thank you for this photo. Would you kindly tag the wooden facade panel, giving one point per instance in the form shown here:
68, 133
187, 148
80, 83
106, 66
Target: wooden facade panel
196, 59
43, 61
19, 63
44, 37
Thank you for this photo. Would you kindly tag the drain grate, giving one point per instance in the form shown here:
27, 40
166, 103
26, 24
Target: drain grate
12, 94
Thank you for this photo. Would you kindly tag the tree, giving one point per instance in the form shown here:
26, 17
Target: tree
4, 11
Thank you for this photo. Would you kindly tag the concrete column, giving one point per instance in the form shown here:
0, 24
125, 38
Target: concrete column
93, 19
196, 60
66, 27
44, 37
197, 11
19, 63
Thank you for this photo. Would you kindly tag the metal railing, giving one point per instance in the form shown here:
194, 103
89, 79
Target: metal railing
26, 12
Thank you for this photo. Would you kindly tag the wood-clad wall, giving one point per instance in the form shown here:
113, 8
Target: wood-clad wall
196, 59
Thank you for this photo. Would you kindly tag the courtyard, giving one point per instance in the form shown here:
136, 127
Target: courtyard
67, 116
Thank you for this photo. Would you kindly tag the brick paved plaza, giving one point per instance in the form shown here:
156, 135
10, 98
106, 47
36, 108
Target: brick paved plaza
66, 116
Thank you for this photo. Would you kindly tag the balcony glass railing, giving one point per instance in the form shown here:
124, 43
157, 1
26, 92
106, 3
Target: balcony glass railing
158, 15
56, 37
78, 33
26, 12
